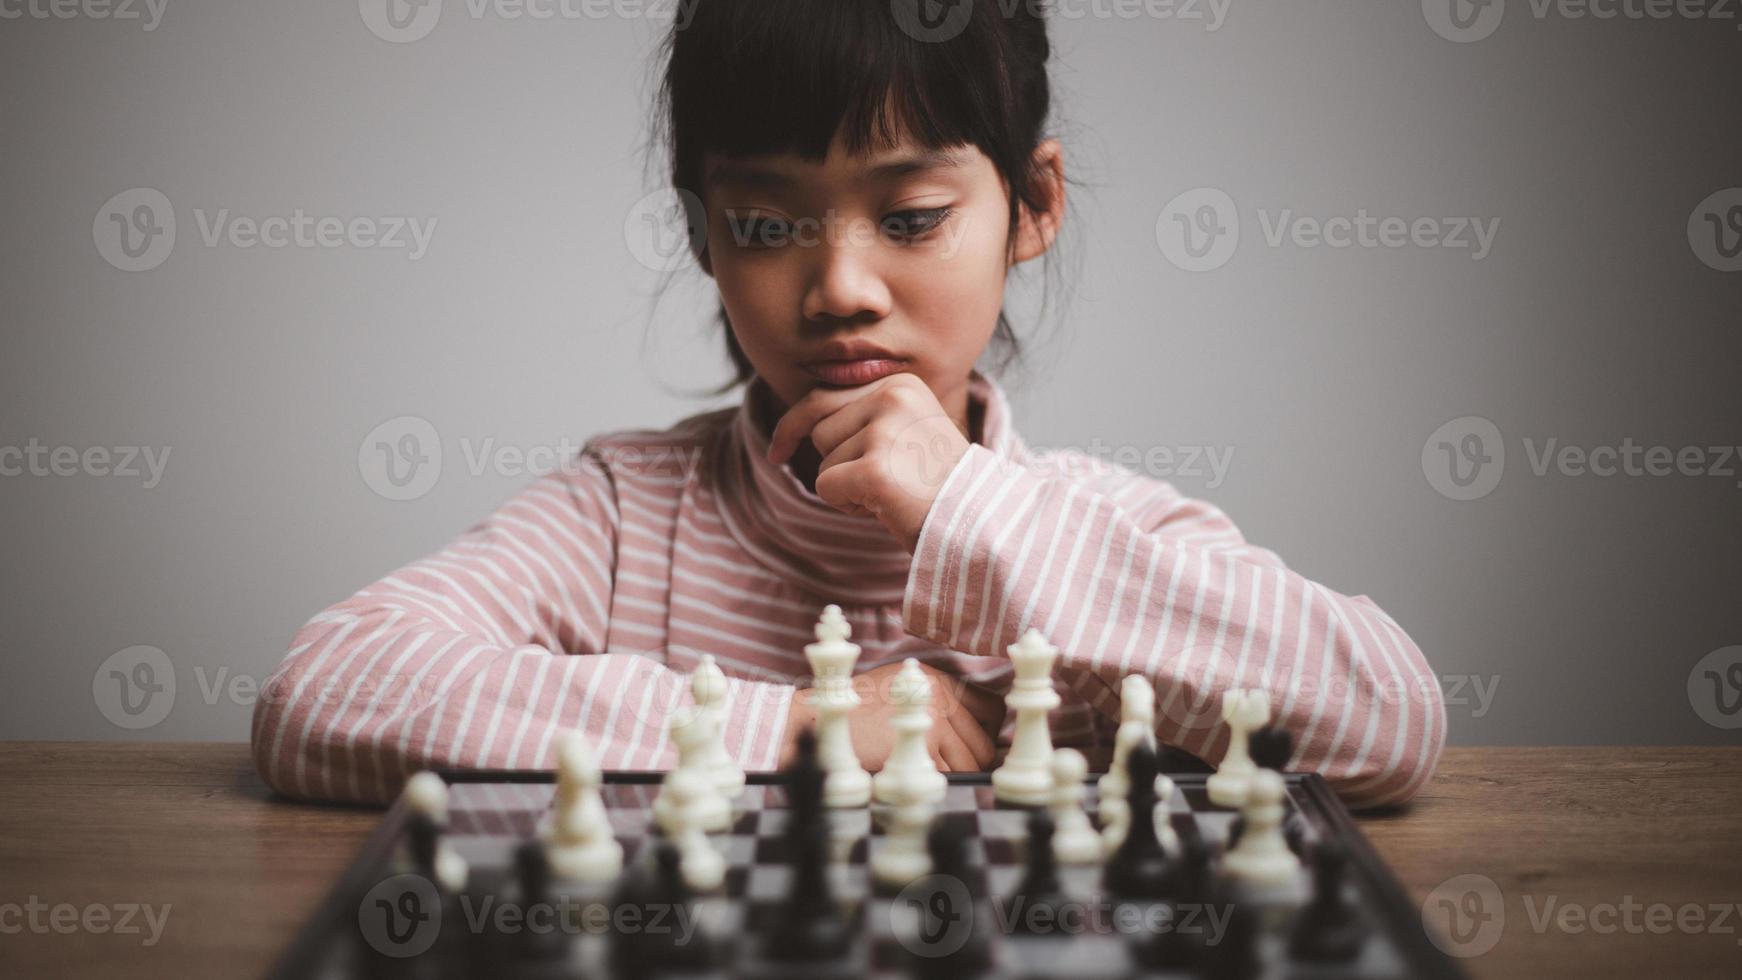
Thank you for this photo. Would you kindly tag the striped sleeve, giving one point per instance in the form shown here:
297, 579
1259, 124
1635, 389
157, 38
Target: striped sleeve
476, 656
1125, 575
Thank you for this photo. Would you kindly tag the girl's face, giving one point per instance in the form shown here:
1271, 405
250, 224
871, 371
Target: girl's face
895, 261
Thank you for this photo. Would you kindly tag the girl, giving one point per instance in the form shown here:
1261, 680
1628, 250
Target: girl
867, 181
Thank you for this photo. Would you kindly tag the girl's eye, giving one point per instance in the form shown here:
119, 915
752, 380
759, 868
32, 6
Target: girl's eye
915, 224
758, 231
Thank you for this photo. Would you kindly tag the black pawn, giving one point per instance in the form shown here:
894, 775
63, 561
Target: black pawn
421, 839
953, 931
1271, 748
1139, 869
812, 926
1183, 943
662, 907
1235, 956
1035, 903
804, 791
545, 937
1329, 929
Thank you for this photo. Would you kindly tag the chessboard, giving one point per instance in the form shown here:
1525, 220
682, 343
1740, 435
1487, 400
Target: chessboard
384, 919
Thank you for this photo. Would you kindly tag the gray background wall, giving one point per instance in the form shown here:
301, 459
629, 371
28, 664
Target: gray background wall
1559, 607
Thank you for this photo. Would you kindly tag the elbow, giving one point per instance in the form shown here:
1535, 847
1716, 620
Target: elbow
1410, 726
290, 724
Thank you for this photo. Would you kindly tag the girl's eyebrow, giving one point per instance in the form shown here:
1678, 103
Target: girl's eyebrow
745, 174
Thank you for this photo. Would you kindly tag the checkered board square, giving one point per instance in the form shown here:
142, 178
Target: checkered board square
491, 814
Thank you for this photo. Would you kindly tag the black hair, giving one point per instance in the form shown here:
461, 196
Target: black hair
753, 77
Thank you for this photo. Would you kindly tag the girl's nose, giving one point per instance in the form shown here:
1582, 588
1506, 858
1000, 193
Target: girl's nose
844, 281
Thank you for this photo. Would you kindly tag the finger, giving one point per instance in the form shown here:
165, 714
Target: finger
845, 452
842, 425
957, 756
816, 405
986, 707
974, 738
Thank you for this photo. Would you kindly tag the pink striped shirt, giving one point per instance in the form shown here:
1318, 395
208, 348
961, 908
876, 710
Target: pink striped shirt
585, 600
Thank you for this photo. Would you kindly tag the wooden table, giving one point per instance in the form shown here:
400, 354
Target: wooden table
190, 826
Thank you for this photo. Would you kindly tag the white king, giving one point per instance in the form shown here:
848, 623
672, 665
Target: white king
1026, 775
847, 784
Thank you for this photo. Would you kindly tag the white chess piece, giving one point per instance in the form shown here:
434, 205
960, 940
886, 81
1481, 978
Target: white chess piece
1136, 727
691, 730
579, 838
902, 857
1262, 862
703, 868
1026, 775
1244, 712
708, 689
427, 794
832, 657
1074, 840
910, 765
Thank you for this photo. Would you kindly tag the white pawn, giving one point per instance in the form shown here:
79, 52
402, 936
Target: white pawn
1136, 727
1244, 712
427, 794
1074, 840
1026, 775
903, 857
708, 688
691, 731
579, 839
832, 657
703, 868
1262, 861
910, 766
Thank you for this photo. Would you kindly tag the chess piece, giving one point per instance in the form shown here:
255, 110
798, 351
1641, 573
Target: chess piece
1243, 712
902, 857
702, 867
910, 764
812, 926
943, 948
1261, 862
1136, 726
708, 690
1139, 869
1034, 905
582, 846
660, 894
691, 730
1329, 929
1026, 775
426, 797
1074, 839
525, 953
831, 659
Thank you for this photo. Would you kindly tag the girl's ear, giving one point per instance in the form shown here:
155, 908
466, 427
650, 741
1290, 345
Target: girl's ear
1036, 230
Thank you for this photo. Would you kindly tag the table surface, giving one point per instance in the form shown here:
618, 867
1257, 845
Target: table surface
1598, 858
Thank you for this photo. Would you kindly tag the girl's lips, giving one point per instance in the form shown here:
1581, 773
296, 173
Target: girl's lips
862, 371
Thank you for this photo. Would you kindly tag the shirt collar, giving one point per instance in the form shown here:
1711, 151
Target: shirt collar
794, 533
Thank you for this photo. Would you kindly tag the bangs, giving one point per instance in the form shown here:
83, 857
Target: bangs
756, 77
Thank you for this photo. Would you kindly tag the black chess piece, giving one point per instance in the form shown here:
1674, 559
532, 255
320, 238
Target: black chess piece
538, 947
812, 926
1235, 955
1271, 748
953, 939
1139, 870
1034, 905
1330, 928
1183, 943
666, 936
